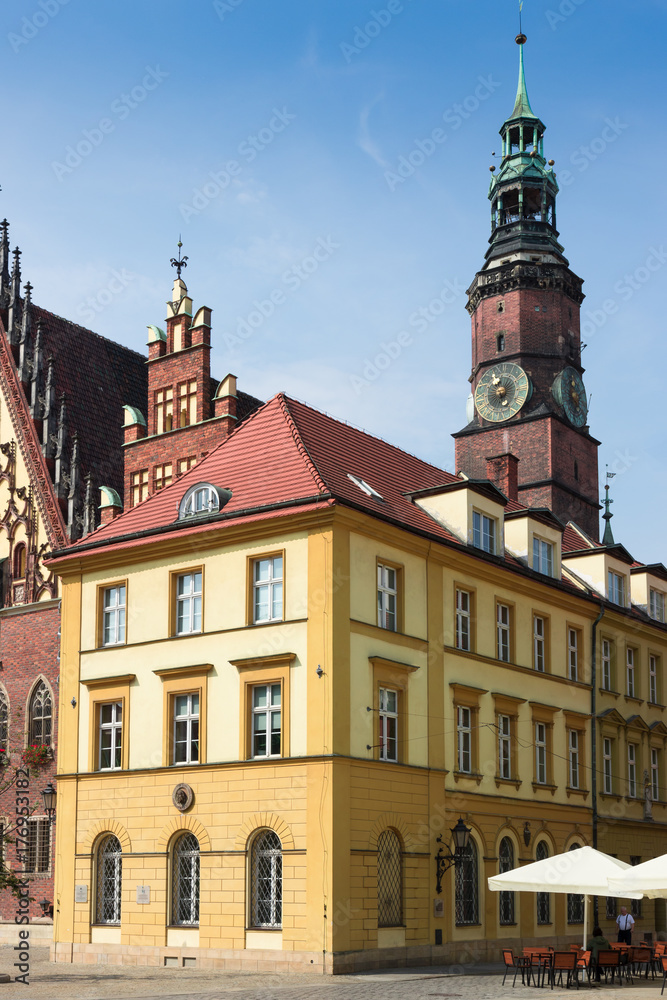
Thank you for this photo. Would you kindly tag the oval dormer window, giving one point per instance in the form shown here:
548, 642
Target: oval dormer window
203, 499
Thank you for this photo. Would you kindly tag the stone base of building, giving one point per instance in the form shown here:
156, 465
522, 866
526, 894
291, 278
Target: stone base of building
456, 955
41, 932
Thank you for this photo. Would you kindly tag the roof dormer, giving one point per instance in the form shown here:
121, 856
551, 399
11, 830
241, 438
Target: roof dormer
472, 510
649, 590
605, 569
535, 537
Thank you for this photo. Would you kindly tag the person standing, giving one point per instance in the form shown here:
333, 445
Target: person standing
625, 922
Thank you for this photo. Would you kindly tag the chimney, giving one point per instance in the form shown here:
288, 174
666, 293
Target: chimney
503, 472
110, 506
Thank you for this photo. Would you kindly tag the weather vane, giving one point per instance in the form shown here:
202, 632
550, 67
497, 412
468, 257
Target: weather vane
181, 262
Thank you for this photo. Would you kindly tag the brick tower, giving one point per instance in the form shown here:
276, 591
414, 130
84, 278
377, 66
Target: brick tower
528, 399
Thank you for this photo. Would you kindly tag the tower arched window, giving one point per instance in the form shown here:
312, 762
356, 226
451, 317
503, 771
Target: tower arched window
20, 561
506, 864
109, 881
41, 716
543, 900
185, 881
266, 881
466, 880
4, 723
390, 880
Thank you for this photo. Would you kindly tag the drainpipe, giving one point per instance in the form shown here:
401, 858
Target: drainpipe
594, 745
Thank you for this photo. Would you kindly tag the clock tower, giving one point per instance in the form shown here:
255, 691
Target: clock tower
528, 397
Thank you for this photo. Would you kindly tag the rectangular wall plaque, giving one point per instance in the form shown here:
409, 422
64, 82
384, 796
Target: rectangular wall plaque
143, 894
80, 893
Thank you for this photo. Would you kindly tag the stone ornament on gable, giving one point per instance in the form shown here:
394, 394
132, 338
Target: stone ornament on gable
183, 797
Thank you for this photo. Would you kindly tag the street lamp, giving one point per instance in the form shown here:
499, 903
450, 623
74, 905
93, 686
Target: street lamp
49, 796
443, 862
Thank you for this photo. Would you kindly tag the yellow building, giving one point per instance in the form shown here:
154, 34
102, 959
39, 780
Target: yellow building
285, 675
288, 673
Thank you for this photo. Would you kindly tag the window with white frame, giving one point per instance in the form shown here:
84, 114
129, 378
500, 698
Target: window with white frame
464, 739
606, 664
655, 774
543, 556
202, 499
388, 724
630, 672
504, 746
463, 620
539, 658
573, 654
108, 883
266, 881
632, 770
574, 750
607, 766
656, 605
616, 588
268, 589
387, 597
653, 679
540, 753
37, 853
483, 532
266, 720
186, 728
503, 632
110, 749
188, 602
113, 615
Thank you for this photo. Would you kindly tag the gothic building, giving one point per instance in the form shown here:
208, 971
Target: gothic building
61, 390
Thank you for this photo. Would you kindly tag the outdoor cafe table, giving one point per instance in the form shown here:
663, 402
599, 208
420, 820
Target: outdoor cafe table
540, 963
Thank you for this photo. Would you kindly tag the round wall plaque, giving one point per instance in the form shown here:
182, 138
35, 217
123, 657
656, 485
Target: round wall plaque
183, 797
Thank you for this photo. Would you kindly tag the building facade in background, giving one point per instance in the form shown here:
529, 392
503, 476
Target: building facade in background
287, 673
53, 376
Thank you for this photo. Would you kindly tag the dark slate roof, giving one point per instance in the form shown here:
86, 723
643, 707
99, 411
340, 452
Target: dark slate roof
98, 378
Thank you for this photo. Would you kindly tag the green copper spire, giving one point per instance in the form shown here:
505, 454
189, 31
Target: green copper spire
522, 108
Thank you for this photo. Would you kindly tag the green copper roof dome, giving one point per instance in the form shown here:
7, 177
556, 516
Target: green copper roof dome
522, 108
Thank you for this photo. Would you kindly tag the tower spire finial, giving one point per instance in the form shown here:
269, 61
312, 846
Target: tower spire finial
522, 108
608, 537
180, 262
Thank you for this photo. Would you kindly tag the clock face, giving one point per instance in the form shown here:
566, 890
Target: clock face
502, 391
569, 392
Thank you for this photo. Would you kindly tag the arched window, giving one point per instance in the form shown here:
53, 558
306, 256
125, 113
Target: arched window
390, 880
185, 881
20, 554
466, 881
4, 723
201, 499
506, 864
109, 880
266, 881
41, 714
543, 901
575, 902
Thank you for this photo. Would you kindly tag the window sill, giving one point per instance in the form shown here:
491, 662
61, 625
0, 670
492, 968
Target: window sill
471, 924
468, 775
632, 697
580, 792
109, 924
655, 704
175, 927
265, 622
614, 694
537, 785
516, 782
112, 645
186, 635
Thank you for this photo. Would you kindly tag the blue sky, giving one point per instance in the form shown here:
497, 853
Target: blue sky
270, 134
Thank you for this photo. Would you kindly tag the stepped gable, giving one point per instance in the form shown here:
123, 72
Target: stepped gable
98, 378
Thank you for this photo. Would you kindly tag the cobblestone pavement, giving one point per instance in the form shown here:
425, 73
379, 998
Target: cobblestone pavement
100, 982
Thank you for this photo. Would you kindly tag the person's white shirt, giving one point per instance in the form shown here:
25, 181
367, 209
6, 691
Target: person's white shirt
625, 921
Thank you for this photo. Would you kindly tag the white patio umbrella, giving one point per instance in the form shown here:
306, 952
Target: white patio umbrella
649, 878
584, 871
